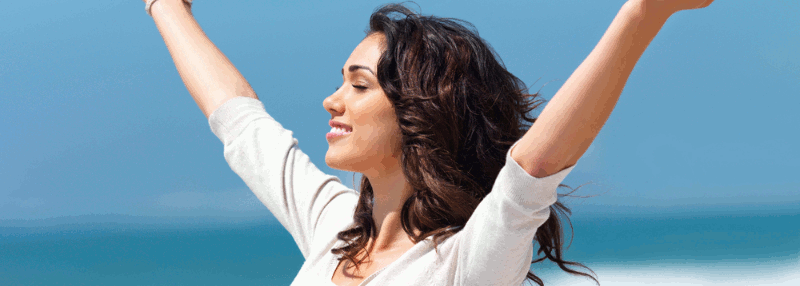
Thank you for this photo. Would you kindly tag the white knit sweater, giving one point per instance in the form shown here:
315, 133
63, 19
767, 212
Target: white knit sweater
494, 248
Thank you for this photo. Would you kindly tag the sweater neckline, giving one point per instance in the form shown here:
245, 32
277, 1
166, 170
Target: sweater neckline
334, 262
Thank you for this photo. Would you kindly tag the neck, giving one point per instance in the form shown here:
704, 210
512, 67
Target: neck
390, 190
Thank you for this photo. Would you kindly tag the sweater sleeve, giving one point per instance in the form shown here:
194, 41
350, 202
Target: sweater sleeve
266, 156
496, 245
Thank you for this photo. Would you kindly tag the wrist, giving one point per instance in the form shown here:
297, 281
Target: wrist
647, 13
650, 10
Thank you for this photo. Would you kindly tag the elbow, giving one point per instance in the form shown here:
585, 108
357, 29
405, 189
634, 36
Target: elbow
545, 170
549, 167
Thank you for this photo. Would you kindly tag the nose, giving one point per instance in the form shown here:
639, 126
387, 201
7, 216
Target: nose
333, 104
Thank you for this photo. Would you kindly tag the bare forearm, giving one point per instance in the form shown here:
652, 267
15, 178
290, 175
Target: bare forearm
573, 118
207, 73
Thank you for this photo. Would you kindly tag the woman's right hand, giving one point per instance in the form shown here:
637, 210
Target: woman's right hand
208, 74
186, 3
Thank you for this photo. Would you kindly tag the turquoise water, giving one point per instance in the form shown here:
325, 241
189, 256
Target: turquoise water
111, 254
712, 247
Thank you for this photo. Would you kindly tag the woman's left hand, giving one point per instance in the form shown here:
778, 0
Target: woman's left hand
669, 7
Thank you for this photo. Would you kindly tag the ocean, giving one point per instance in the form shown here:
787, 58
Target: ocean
668, 249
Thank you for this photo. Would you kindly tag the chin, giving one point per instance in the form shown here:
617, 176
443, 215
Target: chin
339, 163
332, 162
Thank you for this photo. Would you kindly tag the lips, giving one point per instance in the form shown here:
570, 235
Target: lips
338, 129
336, 124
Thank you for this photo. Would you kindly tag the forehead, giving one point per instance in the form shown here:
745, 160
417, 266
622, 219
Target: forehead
367, 53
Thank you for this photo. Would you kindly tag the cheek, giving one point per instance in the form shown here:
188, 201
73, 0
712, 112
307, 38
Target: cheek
378, 124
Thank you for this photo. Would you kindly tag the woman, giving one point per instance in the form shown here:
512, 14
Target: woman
455, 187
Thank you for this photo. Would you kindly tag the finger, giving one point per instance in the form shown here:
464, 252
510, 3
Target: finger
704, 4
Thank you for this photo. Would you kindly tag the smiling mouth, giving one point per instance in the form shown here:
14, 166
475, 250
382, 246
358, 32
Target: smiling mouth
336, 132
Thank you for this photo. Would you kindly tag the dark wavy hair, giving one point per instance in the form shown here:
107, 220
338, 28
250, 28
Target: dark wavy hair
459, 111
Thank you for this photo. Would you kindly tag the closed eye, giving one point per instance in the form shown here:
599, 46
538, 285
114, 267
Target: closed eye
361, 87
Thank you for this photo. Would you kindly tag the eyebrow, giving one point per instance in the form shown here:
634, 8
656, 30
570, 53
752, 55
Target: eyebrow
352, 68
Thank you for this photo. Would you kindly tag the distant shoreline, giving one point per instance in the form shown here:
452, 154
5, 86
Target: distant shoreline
580, 211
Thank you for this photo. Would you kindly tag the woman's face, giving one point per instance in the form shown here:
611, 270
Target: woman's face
372, 146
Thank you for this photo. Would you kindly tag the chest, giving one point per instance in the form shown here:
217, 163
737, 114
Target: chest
346, 274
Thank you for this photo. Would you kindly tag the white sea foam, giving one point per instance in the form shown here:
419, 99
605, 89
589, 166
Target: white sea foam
727, 273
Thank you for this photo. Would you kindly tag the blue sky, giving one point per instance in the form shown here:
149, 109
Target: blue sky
96, 120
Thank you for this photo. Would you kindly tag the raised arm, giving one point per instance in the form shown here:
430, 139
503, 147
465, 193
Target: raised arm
573, 118
207, 73
311, 205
